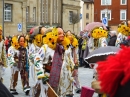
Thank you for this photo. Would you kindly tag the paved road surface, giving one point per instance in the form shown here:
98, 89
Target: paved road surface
85, 77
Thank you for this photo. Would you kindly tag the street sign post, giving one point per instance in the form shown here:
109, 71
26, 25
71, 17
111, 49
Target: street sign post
80, 16
105, 21
19, 27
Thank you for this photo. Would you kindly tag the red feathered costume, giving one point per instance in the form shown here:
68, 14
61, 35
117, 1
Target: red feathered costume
114, 72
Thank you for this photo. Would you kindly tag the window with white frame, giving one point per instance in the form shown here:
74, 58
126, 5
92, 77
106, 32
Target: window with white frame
34, 14
123, 2
105, 2
106, 13
122, 14
8, 12
70, 16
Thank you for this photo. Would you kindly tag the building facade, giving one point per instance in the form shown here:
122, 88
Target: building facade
43, 12
21, 15
70, 8
14, 14
88, 12
116, 11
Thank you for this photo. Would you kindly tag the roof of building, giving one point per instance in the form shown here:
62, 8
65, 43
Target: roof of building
88, 1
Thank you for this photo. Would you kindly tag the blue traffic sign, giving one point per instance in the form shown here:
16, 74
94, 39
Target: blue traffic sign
19, 27
80, 16
104, 21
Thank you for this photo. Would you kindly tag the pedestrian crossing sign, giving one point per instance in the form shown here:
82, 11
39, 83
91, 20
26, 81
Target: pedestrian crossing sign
19, 27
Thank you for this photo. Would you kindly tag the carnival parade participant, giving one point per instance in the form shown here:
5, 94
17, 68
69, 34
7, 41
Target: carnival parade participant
35, 45
3, 62
12, 52
74, 54
51, 55
18, 60
123, 32
66, 83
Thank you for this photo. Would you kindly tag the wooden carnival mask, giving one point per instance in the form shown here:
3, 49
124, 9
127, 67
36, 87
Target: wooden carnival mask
43, 29
60, 35
70, 36
21, 41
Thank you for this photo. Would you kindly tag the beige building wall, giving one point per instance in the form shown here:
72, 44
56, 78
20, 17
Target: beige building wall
90, 11
31, 4
18, 16
1, 12
48, 12
69, 5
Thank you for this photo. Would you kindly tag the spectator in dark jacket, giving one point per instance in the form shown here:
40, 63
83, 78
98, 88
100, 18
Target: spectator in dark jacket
112, 38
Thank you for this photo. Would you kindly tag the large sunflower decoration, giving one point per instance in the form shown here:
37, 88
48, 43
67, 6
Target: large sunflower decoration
50, 38
14, 42
66, 43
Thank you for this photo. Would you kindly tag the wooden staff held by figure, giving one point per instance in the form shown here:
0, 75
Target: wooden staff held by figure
52, 89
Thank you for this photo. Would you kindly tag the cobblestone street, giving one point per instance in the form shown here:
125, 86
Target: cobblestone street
85, 77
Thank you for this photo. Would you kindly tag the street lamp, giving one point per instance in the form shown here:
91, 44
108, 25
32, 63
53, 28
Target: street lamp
3, 19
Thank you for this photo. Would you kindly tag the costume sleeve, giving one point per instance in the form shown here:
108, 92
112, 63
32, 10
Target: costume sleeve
119, 40
103, 42
31, 53
40, 57
4, 56
10, 56
70, 58
76, 57
38, 62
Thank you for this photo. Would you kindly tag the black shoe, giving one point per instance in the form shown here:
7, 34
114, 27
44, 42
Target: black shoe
13, 91
78, 90
69, 95
86, 66
27, 92
80, 66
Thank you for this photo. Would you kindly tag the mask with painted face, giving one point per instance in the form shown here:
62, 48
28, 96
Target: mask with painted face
22, 42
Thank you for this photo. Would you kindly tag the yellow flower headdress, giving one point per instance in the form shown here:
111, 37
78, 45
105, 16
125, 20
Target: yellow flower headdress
51, 38
66, 43
0, 27
75, 43
14, 42
38, 40
125, 30
98, 33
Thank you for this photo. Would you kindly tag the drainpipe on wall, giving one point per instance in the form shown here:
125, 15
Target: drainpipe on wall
3, 20
127, 10
61, 12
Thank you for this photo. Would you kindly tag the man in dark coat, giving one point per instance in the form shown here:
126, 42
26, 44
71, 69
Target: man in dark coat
112, 38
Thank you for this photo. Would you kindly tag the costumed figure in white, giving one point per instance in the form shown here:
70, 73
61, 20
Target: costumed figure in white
123, 32
18, 60
75, 56
66, 84
3, 62
48, 62
98, 38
